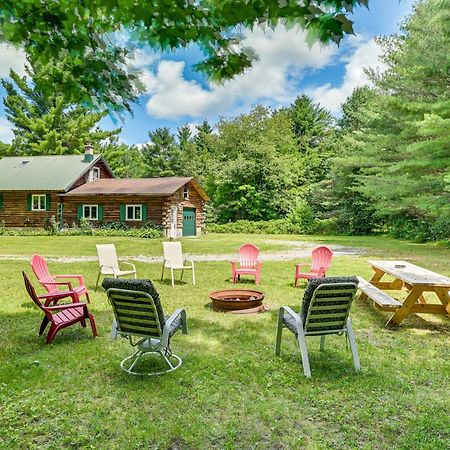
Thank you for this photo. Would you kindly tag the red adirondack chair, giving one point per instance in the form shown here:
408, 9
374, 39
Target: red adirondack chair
40, 269
321, 261
59, 316
248, 263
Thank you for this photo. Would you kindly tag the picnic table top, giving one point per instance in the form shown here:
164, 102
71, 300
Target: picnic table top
411, 273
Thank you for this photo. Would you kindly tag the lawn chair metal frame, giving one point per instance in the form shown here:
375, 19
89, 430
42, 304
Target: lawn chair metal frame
173, 260
321, 320
109, 263
146, 326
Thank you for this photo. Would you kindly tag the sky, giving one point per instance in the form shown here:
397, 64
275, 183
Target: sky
176, 95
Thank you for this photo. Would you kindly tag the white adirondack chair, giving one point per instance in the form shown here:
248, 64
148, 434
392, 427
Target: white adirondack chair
109, 264
173, 260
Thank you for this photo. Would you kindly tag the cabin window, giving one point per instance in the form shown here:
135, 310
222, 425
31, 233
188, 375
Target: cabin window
134, 212
38, 202
186, 192
90, 212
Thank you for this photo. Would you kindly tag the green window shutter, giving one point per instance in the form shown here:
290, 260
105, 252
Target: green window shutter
144, 213
100, 212
29, 202
79, 211
122, 211
1, 200
47, 202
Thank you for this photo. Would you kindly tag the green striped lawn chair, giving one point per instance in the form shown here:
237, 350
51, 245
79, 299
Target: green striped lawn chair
325, 310
140, 318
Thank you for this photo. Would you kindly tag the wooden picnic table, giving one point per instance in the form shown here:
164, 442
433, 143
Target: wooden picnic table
416, 281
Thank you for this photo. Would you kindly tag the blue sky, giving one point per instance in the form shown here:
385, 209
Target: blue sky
176, 95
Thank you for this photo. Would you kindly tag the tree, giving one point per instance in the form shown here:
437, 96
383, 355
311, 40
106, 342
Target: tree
125, 161
256, 167
162, 155
84, 35
48, 123
401, 131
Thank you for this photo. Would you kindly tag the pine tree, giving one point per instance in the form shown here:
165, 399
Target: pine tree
46, 124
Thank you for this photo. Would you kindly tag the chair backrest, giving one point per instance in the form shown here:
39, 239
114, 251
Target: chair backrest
135, 312
31, 292
40, 269
248, 255
321, 257
107, 255
326, 304
173, 252
133, 290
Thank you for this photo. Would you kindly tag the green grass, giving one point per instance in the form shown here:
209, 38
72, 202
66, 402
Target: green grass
231, 391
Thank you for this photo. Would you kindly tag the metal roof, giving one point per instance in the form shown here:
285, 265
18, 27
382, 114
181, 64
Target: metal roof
128, 186
42, 173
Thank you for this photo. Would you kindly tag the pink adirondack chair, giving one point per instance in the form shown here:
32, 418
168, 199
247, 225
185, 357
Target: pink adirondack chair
60, 316
40, 269
321, 261
248, 263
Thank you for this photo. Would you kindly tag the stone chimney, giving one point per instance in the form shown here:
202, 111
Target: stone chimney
88, 152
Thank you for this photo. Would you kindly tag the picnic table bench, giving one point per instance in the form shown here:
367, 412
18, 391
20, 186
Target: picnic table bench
415, 280
382, 300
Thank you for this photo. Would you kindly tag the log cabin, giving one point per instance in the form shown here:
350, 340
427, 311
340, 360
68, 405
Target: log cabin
72, 187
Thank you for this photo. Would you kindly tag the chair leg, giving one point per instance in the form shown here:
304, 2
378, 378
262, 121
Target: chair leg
87, 296
171, 272
193, 275
182, 273
44, 324
113, 334
93, 325
353, 348
322, 343
279, 333
296, 282
98, 278
135, 275
162, 273
52, 333
304, 353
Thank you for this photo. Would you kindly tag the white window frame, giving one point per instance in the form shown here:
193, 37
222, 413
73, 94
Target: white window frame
95, 173
128, 219
90, 212
186, 192
40, 202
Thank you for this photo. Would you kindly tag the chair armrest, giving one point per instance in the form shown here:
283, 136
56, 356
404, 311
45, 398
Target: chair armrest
49, 298
259, 264
293, 314
290, 311
130, 264
168, 324
63, 307
169, 263
301, 265
58, 283
233, 263
78, 277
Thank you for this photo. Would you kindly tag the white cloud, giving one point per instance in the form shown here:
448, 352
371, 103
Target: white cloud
6, 134
11, 58
366, 55
281, 53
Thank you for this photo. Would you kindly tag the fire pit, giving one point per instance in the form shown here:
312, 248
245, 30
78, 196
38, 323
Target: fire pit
238, 301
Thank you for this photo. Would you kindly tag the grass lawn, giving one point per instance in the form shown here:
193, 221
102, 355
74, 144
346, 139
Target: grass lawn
231, 391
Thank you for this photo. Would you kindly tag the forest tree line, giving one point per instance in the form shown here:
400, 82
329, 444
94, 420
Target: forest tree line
382, 166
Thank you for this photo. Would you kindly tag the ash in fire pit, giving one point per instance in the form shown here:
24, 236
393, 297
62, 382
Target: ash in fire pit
238, 301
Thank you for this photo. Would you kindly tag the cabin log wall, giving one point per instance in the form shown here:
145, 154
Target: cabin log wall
14, 211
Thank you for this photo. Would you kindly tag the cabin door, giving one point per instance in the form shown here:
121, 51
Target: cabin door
189, 222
